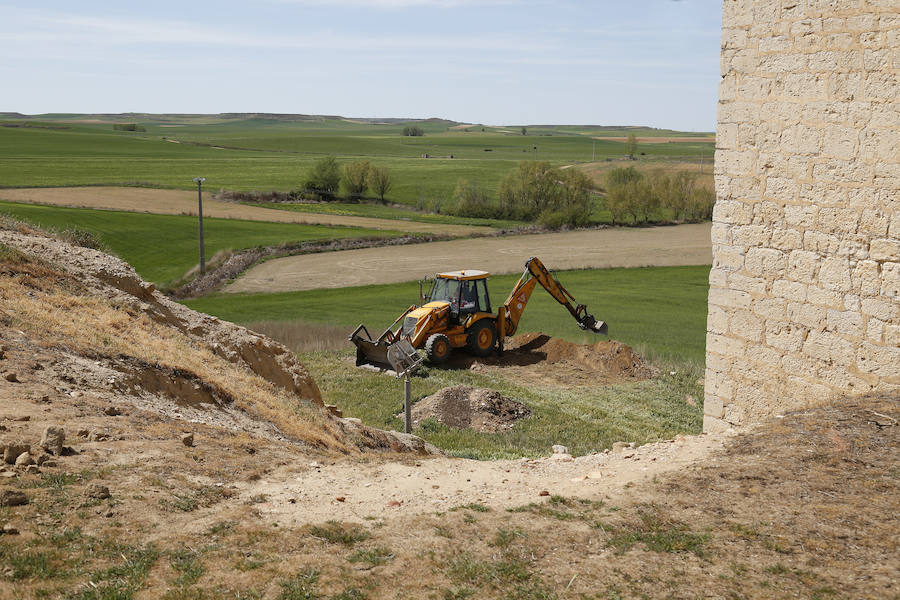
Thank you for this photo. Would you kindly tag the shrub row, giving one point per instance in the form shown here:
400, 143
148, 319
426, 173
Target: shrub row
636, 197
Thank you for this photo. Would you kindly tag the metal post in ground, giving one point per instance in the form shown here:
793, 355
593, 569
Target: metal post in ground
407, 400
200, 181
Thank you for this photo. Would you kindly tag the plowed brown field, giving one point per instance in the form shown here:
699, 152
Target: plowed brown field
589, 249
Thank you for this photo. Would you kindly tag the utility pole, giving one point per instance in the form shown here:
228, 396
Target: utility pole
701, 160
200, 181
535, 152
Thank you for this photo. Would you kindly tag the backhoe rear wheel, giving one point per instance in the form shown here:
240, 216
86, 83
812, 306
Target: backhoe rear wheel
437, 348
482, 338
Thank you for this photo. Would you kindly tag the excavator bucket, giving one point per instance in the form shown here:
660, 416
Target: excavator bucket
589, 323
398, 356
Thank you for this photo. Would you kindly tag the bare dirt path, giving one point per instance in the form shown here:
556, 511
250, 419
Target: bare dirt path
181, 202
598, 248
307, 493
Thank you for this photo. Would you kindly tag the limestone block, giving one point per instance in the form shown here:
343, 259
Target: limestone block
828, 298
802, 139
826, 346
879, 308
718, 278
808, 315
866, 278
786, 239
733, 212
720, 385
840, 142
726, 136
844, 86
821, 243
768, 213
844, 322
750, 235
885, 249
714, 425
789, 290
875, 330
800, 216
724, 345
881, 85
803, 266
890, 280
720, 233
891, 335
765, 261
770, 308
729, 298
717, 320
834, 274
874, 223
800, 366
851, 302
781, 188
728, 258
880, 144
746, 325
752, 285
838, 220
763, 355
784, 336
734, 38
841, 378
734, 414
882, 361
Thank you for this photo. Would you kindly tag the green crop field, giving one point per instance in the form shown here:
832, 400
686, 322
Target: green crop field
162, 248
659, 311
275, 154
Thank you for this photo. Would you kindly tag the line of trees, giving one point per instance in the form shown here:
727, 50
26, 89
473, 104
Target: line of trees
413, 131
533, 191
327, 177
636, 197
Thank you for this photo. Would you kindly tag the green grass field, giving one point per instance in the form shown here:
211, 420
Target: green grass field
275, 154
162, 248
659, 311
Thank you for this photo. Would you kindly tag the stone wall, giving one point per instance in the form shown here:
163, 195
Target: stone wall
804, 300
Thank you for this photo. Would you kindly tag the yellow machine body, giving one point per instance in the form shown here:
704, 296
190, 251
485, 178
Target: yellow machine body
457, 314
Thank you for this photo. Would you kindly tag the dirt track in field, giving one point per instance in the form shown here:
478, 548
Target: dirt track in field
181, 202
596, 248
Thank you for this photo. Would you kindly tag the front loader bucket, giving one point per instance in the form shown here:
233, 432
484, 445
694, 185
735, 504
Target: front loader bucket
399, 356
369, 352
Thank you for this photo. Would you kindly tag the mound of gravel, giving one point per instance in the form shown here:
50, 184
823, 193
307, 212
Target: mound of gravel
465, 407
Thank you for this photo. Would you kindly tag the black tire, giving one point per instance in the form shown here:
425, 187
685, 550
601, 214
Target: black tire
482, 338
437, 348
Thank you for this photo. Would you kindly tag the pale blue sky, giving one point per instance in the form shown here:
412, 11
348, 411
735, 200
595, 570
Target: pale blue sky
638, 62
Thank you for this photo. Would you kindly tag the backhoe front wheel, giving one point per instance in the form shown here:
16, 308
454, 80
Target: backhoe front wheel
437, 348
482, 338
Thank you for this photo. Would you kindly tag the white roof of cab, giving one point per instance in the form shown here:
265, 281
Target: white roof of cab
468, 274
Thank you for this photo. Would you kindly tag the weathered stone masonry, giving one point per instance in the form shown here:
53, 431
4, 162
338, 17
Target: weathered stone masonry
804, 300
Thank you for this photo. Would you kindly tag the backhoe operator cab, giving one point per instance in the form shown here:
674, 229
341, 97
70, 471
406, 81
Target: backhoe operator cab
457, 313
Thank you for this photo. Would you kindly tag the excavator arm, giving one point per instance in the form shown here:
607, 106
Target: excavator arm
536, 273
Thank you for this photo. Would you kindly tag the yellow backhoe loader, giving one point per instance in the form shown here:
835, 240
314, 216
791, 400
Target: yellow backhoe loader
457, 314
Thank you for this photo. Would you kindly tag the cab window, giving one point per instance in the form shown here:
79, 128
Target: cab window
444, 290
484, 300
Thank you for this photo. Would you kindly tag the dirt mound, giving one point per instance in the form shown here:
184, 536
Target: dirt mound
464, 407
543, 360
110, 334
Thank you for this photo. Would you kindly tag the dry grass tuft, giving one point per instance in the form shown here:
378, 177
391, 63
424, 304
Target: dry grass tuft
300, 336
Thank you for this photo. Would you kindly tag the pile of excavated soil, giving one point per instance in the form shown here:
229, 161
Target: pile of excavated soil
465, 407
539, 358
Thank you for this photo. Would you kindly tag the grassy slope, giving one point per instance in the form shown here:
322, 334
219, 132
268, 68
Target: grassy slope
281, 152
164, 247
